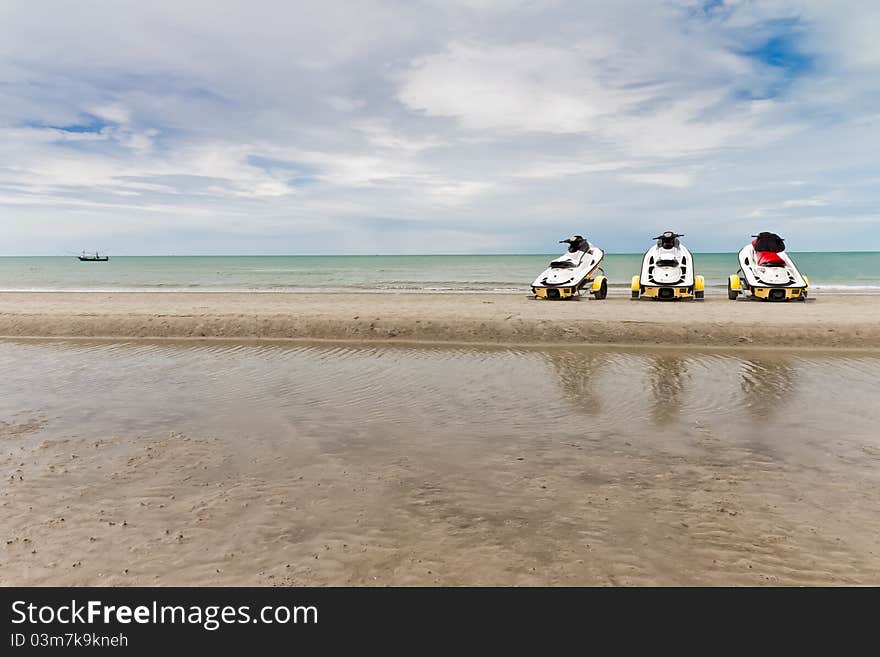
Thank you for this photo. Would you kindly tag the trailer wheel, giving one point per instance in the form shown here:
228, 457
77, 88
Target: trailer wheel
734, 287
602, 292
699, 288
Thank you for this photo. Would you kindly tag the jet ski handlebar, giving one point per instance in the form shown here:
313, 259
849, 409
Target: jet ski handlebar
668, 235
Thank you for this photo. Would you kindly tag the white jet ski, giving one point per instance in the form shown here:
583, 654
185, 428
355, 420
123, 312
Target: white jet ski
767, 272
568, 275
668, 272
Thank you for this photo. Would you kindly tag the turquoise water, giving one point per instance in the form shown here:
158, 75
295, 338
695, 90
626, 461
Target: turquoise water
855, 272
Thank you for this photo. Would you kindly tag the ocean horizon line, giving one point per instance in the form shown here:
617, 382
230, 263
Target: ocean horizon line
381, 255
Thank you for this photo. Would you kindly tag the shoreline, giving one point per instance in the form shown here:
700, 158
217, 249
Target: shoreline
629, 347
833, 321
717, 289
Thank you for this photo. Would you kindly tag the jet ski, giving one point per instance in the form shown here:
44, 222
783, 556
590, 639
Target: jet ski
568, 275
668, 272
767, 272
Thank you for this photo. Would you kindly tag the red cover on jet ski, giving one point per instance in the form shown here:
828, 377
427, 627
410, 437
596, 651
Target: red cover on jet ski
767, 258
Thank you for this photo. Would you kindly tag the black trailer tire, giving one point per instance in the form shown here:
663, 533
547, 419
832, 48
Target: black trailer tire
731, 293
603, 290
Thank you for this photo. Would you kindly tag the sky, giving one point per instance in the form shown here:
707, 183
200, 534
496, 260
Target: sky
436, 126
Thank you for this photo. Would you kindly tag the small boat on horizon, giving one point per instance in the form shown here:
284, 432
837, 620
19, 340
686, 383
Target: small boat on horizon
92, 257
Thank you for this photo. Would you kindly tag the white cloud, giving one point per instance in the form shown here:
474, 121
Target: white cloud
113, 112
517, 87
344, 103
563, 168
804, 203
677, 180
470, 119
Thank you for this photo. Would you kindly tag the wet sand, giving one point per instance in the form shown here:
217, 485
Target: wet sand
827, 321
392, 466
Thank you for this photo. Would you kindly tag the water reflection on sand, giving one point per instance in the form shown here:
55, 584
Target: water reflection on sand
767, 384
439, 465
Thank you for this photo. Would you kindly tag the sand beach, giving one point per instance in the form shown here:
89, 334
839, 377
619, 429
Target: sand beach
264, 462
829, 321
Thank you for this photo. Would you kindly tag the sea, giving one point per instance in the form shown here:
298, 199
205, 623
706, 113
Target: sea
852, 272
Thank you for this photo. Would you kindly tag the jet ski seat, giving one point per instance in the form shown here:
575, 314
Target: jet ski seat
767, 248
578, 256
768, 242
769, 259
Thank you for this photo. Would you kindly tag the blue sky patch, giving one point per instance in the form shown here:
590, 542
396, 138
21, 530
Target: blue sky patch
781, 56
91, 124
781, 52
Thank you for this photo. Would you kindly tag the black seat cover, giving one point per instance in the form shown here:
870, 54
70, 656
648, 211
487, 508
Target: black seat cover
578, 243
769, 242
